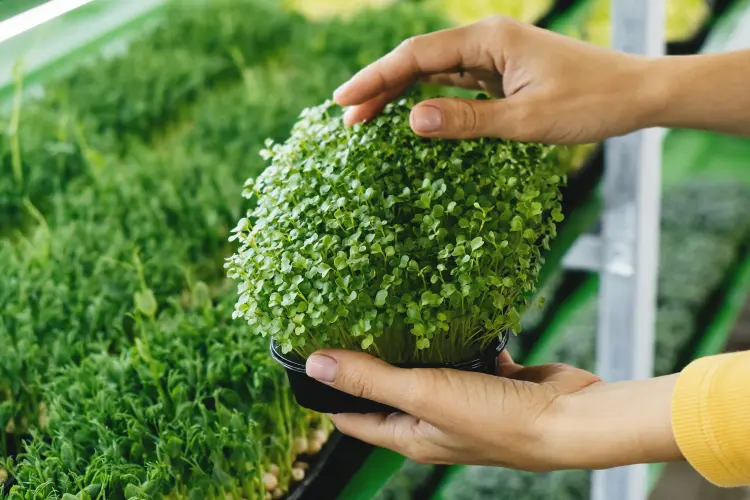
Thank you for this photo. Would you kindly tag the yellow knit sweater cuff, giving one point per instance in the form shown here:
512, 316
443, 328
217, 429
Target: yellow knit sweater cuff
711, 417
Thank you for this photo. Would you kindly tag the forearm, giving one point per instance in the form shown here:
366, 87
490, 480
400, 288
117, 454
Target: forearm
610, 425
706, 92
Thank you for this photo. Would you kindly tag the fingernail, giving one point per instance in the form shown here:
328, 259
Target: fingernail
426, 119
321, 368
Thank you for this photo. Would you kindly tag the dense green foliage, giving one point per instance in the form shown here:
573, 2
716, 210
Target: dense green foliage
105, 105
361, 235
195, 408
171, 64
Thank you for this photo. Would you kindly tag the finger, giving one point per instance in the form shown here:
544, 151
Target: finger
437, 52
377, 429
453, 118
371, 378
506, 367
399, 432
504, 358
370, 109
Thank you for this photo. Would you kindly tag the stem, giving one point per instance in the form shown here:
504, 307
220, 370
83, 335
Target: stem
15, 121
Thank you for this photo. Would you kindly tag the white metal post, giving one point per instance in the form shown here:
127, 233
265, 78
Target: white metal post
629, 243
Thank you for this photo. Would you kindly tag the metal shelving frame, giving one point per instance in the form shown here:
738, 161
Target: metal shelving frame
625, 253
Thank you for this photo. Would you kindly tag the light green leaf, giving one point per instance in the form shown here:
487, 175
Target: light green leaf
367, 342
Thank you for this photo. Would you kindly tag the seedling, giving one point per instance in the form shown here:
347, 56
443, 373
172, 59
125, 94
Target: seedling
371, 238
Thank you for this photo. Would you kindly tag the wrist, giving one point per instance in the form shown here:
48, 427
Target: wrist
636, 98
653, 92
705, 92
612, 425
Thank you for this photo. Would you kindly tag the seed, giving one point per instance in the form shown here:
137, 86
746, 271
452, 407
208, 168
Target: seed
3, 475
268, 496
319, 435
277, 493
270, 482
10, 428
300, 445
301, 465
298, 474
315, 446
274, 469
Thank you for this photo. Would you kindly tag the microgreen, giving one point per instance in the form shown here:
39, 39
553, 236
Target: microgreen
195, 408
374, 239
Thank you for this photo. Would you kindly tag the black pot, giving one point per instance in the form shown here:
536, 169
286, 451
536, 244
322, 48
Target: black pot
323, 398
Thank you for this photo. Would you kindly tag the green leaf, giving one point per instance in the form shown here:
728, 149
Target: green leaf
367, 342
145, 302
381, 297
340, 261
516, 223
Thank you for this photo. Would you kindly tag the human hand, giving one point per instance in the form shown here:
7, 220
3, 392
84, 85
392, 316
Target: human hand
557, 90
536, 418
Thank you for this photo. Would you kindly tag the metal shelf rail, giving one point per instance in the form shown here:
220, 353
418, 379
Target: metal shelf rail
625, 254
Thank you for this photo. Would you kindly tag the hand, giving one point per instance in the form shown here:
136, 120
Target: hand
537, 418
556, 89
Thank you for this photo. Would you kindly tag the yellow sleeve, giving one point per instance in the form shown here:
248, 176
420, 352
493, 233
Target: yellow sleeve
711, 417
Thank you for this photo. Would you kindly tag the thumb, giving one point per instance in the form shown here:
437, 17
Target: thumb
368, 377
453, 118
